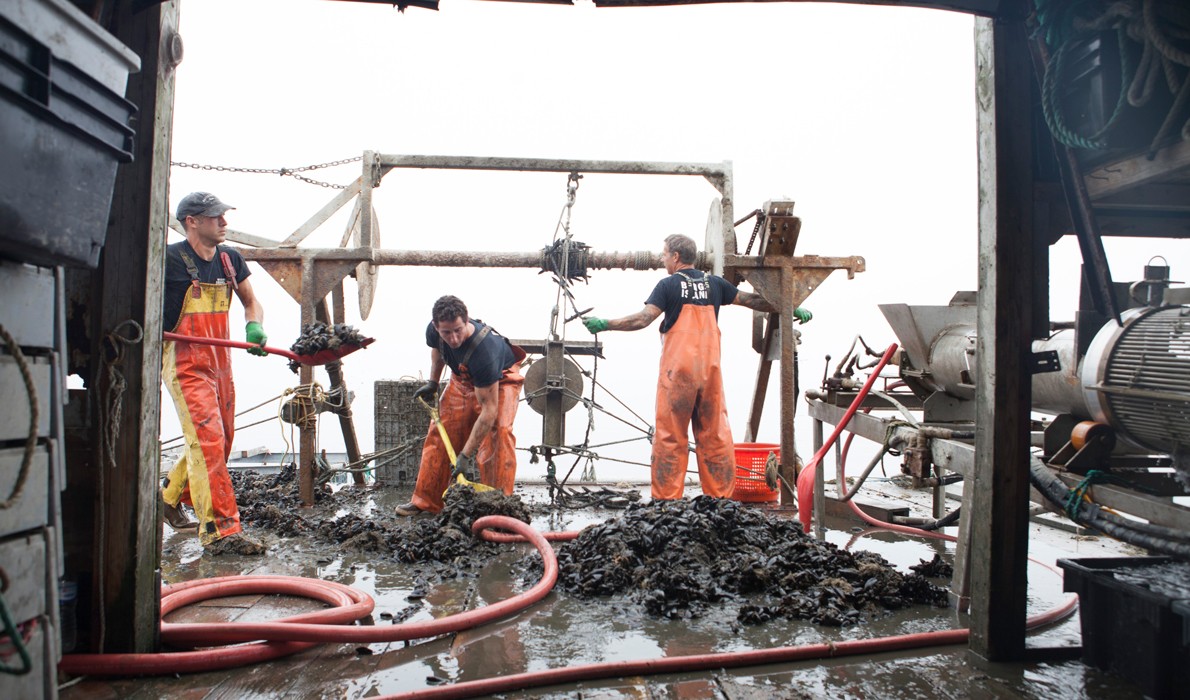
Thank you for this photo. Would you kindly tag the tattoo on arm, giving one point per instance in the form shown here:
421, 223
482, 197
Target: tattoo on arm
754, 302
640, 319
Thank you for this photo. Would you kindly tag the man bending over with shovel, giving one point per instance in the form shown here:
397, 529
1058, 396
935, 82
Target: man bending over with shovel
476, 409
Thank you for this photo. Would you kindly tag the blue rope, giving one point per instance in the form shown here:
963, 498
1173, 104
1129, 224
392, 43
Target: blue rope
1056, 23
1075, 498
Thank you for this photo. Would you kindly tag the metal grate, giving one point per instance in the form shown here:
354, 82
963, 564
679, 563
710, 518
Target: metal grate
1148, 374
398, 420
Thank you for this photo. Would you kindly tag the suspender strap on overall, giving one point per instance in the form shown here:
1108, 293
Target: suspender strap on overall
474, 344
229, 271
192, 269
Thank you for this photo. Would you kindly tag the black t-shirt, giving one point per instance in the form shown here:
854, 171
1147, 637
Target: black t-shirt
177, 277
693, 287
487, 363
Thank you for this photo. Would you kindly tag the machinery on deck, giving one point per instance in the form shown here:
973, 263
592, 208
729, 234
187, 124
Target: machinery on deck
1111, 412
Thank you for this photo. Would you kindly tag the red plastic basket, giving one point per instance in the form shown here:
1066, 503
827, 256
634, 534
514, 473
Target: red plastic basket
750, 458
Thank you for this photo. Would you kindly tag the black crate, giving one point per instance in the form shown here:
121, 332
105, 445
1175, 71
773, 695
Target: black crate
400, 422
63, 134
1127, 628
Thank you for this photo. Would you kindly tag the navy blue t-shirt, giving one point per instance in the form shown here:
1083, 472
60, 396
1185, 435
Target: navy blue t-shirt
487, 363
690, 287
177, 277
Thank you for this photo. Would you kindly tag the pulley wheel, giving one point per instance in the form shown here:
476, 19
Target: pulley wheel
713, 244
1090, 431
535, 382
366, 273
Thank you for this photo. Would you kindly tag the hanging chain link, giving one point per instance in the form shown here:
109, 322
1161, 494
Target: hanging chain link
561, 277
283, 172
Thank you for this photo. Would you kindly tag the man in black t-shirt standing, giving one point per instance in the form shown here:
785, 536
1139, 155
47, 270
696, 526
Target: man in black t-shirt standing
690, 381
477, 408
200, 277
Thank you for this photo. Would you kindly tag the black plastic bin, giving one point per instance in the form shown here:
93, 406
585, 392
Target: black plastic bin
1127, 628
63, 135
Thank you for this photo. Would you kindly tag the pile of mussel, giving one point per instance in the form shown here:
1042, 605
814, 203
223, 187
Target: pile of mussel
318, 336
679, 558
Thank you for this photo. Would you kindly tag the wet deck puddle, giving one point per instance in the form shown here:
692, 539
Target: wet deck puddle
566, 629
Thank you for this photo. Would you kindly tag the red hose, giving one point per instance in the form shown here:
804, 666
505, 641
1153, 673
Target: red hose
351, 605
298, 628
344, 597
805, 480
509, 538
739, 659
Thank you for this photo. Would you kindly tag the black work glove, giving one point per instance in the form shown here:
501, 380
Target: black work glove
466, 466
427, 392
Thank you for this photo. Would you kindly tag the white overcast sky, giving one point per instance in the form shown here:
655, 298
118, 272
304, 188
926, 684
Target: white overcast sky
865, 116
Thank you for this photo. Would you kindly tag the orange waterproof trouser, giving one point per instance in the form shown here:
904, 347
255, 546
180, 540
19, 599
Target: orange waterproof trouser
496, 458
198, 378
690, 392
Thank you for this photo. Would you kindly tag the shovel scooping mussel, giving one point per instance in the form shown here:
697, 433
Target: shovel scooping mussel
472, 479
317, 357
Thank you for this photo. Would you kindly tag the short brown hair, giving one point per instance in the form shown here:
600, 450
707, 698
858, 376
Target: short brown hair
448, 308
684, 246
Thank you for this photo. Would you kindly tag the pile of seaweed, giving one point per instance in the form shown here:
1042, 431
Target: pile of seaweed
272, 502
677, 558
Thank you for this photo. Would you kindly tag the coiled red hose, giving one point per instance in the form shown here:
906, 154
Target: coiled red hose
299, 632
349, 602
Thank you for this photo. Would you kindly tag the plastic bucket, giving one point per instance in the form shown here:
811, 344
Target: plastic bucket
750, 460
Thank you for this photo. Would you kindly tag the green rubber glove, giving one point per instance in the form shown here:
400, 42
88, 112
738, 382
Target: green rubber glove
254, 333
802, 315
595, 325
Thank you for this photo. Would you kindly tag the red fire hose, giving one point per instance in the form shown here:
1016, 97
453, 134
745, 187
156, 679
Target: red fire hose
805, 480
297, 633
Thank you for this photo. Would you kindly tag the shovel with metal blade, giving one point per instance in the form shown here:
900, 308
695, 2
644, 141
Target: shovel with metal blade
450, 452
321, 357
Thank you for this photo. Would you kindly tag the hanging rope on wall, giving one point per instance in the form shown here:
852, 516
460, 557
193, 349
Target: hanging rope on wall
1152, 48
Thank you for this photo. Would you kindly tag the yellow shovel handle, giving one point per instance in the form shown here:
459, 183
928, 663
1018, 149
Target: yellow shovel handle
450, 450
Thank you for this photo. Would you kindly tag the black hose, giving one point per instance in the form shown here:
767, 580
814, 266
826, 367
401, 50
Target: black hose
1151, 537
944, 521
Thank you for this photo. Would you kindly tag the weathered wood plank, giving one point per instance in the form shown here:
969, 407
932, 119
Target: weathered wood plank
1130, 173
129, 281
997, 496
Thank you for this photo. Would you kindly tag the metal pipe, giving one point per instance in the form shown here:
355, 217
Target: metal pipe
631, 260
555, 165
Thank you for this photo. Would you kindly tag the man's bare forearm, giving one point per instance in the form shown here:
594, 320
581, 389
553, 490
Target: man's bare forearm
634, 322
754, 302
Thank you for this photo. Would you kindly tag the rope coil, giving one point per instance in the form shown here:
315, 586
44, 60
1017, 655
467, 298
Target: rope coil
1150, 27
14, 351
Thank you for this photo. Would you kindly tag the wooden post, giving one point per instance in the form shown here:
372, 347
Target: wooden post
307, 435
125, 536
334, 371
788, 468
997, 498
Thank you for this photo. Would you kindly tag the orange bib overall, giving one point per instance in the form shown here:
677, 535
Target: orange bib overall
459, 409
198, 378
690, 391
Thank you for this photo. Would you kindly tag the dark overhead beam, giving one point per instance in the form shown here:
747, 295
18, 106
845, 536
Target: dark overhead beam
1130, 173
1152, 198
987, 8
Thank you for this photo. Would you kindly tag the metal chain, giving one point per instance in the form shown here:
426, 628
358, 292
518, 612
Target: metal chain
283, 172
561, 278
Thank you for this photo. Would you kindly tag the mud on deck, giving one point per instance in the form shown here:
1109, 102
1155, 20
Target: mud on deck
351, 536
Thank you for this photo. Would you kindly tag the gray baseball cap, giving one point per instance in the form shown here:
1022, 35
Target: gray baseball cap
201, 204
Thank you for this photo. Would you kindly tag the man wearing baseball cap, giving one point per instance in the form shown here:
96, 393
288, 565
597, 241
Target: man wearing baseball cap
200, 276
